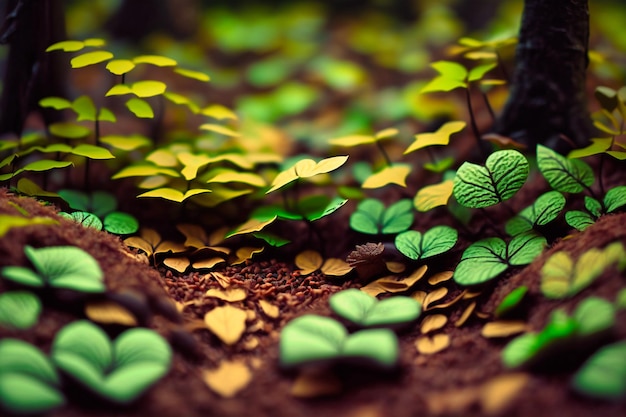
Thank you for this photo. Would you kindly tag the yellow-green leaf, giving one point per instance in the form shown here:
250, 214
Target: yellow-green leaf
66, 46
252, 225
57, 103
163, 158
95, 42
306, 168
192, 163
173, 194
119, 90
433, 196
222, 130
227, 322
219, 112
7, 222
90, 58
140, 108
144, 171
158, 60
69, 130
92, 152
243, 177
395, 174
196, 75
440, 137
148, 88
386, 133
120, 66
352, 140
126, 143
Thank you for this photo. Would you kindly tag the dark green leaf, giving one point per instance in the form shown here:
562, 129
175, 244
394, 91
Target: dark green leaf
545, 209
603, 375
565, 175
120, 223
435, 241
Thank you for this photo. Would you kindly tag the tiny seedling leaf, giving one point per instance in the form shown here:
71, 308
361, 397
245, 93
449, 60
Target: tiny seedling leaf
366, 311
417, 246
19, 309
502, 176
563, 174
603, 375
371, 217
544, 210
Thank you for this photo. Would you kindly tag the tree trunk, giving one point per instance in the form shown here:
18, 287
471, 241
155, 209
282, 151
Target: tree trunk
548, 99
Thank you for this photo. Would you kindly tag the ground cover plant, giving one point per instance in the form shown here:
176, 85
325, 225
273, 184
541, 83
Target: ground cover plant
310, 209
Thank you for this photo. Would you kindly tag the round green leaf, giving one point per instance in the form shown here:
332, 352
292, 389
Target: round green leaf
481, 262
19, 357
24, 276
77, 200
90, 58
85, 218
19, 309
502, 176
69, 130
544, 210
604, 374
398, 217
594, 315
563, 174
120, 223
367, 217
310, 338
435, 241
377, 346
364, 310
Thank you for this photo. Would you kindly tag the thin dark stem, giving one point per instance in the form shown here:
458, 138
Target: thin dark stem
490, 222
384, 152
473, 118
505, 73
431, 154
488, 104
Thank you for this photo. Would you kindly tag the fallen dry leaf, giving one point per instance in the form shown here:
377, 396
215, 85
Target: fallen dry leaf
251, 343
393, 284
316, 383
395, 267
429, 345
230, 295
179, 264
448, 303
245, 253
452, 402
308, 261
433, 322
208, 263
270, 310
503, 328
466, 314
440, 277
228, 379
434, 296
109, 312
419, 296
222, 279
226, 322
499, 392
336, 267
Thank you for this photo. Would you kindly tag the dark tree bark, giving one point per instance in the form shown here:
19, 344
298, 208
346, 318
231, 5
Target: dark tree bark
548, 99
30, 26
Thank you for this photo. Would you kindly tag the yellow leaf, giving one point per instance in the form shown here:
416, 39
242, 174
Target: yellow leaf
499, 392
158, 60
173, 194
309, 261
192, 163
352, 140
120, 66
126, 143
66, 46
222, 130
395, 267
228, 379
109, 312
196, 75
251, 226
178, 264
195, 235
386, 133
119, 90
163, 158
440, 277
428, 346
304, 169
393, 284
466, 314
315, 384
433, 196
283, 178
433, 322
395, 174
231, 295
168, 246
419, 296
448, 303
270, 310
434, 296
227, 323
244, 177
245, 253
208, 263
219, 112
503, 328
335, 267
222, 279
440, 137
90, 58
148, 88
144, 171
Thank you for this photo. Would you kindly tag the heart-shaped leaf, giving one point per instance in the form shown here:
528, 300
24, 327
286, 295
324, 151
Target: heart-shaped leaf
306, 168
118, 371
371, 217
563, 174
603, 375
28, 381
544, 210
19, 309
417, 246
366, 311
310, 338
502, 176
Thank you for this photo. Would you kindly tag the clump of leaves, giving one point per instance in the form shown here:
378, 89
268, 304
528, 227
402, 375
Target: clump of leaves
315, 339
29, 383
562, 277
488, 258
614, 199
371, 217
66, 267
365, 310
603, 375
545, 209
435, 241
593, 316
19, 309
118, 371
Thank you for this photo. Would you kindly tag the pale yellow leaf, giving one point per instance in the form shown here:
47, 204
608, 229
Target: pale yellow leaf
503, 328
222, 130
395, 174
336, 267
270, 310
109, 312
440, 277
449, 303
192, 163
352, 140
222, 279
249, 178
308, 261
208, 263
440, 137
163, 158
196, 75
219, 112
466, 314
245, 253
429, 345
498, 393
386, 133
433, 322
251, 343
179, 264
434, 296
229, 294
228, 379
304, 168
173, 194
433, 196
227, 323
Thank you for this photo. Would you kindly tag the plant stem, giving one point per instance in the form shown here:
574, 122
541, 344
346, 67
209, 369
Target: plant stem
488, 104
505, 73
384, 152
470, 110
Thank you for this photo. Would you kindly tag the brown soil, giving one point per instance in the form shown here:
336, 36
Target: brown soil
444, 383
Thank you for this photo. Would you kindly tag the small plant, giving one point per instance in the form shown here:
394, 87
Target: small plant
435, 241
29, 383
66, 267
313, 339
603, 375
371, 217
365, 310
118, 371
511, 301
19, 309
545, 209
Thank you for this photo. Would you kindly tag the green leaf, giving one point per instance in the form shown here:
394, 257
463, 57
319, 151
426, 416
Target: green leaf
69, 130
503, 175
30, 188
478, 72
90, 58
440, 137
615, 198
378, 347
544, 210
450, 69
106, 115
19, 309
92, 152
594, 315
603, 375
56, 103
28, 381
366, 311
140, 108
371, 217
579, 220
565, 175
440, 165
593, 206
85, 218
120, 223
524, 248
126, 143
520, 350
84, 108
511, 301
118, 371
315, 212
418, 246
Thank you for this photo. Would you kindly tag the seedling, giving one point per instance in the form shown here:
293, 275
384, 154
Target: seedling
19, 309
615, 199
313, 339
66, 267
562, 277
511, 301
564, 175
118, 371
371, 217
417, 246
488, 258
544, 210
365, 310
603, 375
29, 383
592, 317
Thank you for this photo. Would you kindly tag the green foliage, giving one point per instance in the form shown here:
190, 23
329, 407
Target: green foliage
120, 223
366, 311
502, 176
19, 309
603, 375
371, 217
58, 267
453, 75
563, 277
311, 339
486, 259
544, 210
28, 381
118, 371
564, 175
417, 246
84, 218
511, 301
